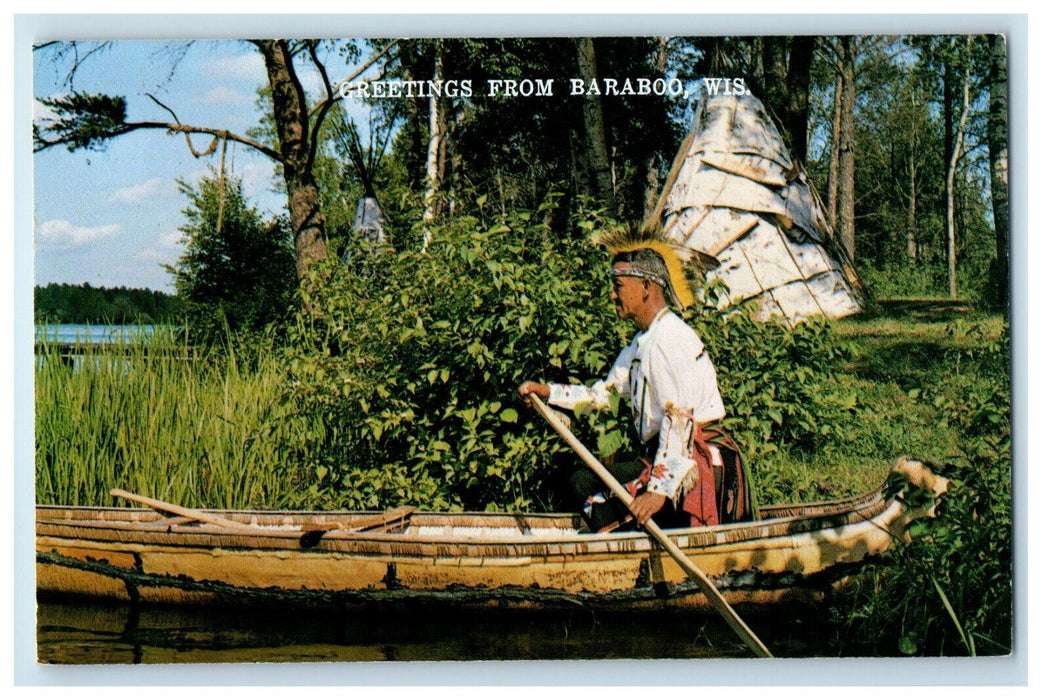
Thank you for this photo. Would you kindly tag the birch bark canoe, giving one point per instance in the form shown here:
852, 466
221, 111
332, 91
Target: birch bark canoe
795, 552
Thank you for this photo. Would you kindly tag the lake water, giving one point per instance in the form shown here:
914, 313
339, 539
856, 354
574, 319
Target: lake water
88, 333
88, 633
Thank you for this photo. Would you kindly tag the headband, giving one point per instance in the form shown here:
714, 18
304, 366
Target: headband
631, 271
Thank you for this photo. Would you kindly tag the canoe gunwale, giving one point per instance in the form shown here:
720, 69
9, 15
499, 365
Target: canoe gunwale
138, 526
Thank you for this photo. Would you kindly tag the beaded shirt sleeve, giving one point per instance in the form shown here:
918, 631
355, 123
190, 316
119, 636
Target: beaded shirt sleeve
596, 396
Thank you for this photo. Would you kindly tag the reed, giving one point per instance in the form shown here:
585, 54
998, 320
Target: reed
153, 417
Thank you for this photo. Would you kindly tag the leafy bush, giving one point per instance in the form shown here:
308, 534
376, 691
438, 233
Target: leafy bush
237, 273
411, 361
778, 381
901, 280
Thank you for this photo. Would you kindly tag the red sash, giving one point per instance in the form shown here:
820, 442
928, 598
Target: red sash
709, 502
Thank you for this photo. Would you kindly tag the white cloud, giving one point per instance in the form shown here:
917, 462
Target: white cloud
222, 95
165, 249
150, 189
245, 66
61, 232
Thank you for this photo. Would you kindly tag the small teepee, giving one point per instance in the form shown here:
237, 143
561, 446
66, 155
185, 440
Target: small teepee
369, 222
736, 194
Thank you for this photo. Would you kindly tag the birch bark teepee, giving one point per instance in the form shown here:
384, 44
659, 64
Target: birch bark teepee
736, 194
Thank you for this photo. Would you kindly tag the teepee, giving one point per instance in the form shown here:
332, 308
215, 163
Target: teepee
736, 194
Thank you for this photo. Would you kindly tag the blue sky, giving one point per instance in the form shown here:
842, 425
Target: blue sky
111, 218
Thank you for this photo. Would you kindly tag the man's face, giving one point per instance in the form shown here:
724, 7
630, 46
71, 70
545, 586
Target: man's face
628, 294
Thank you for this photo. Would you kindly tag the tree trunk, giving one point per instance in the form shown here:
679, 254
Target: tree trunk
952, 170
434, 151
774, 79
847, 176
948, 142
835, 156
652, 185
998, 144
291, 116
799, 75
786, 68
594, 125
912, 210
912, 186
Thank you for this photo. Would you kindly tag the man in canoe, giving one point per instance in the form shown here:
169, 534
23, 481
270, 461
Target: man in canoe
690, 472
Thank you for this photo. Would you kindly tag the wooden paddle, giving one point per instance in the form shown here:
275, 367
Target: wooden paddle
711, 591
312, 533
177, 509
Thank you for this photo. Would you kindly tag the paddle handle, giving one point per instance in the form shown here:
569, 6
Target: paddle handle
177, 509
711, 591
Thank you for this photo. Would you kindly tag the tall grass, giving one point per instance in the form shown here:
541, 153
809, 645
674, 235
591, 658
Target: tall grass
150, 417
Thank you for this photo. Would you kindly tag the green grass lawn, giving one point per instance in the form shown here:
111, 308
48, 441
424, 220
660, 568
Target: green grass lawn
936, 383
903, 367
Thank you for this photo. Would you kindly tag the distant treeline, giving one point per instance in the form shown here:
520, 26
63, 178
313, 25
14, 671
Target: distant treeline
70, 303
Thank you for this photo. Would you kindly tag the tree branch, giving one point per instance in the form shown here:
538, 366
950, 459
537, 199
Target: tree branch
336, 96
329, 100
127, 127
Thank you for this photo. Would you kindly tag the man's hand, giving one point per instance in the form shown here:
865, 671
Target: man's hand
646, 505
540, 390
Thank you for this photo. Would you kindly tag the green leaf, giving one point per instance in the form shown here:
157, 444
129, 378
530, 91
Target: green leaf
907, 646
609, 442
509, 415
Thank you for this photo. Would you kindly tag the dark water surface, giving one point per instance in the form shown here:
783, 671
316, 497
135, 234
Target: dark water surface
82, 633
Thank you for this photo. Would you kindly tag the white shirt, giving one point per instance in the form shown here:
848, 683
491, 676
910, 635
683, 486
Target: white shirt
672, 386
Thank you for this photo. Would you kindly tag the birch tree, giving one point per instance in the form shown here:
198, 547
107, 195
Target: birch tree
998, 145
594, 120
434, 149
846, 154
952, 171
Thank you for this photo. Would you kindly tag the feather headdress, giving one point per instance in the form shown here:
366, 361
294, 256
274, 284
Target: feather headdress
633, 238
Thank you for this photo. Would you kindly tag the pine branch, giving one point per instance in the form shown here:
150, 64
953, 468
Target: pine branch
89, 121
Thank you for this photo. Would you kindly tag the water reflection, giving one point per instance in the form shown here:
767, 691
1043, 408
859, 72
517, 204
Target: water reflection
73, 633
